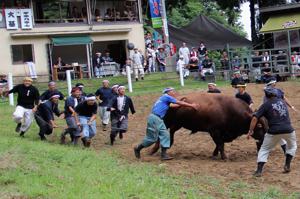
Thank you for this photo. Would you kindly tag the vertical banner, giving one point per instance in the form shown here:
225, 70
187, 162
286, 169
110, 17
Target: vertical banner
11, 19
155, 13
26, 19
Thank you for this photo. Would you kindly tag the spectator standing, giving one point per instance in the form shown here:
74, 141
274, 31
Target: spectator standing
161, 59
87, 114
27, 102
137, 64
202, 52
185, 52
224, 61
3, 86
44, 115
151, 56
98, 65
104, 94
295, 58
256, 65
106, 58
119, 114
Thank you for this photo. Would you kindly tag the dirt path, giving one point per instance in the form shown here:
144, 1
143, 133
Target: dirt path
192, 152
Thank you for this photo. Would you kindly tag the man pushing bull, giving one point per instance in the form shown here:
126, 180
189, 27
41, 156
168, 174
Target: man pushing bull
276, 112
156, 128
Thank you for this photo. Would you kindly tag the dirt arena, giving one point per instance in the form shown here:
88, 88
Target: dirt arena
192, 152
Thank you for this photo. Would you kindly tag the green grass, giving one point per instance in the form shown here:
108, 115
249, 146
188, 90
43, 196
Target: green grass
30, 168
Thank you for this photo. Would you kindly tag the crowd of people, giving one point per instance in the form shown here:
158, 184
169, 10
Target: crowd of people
80, 110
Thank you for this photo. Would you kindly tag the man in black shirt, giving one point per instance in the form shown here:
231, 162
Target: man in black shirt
28, 99
51, 89
44, 115
119, 114
236, 79
87, 113
276, 112
243, 95
212, 88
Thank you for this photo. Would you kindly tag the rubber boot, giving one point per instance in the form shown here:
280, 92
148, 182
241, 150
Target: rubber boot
137, 151
164, 155
83, 141
258, 172
18, 127
63, 137
22, 134
283, 148
88, 143
112, 139
121, 135
287, 166
75, 141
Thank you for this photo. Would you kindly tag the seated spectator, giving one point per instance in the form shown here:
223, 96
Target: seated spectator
256, 64
236, 79
98, 17
194, 56
212, 88
106, 58
267, 74
281, 62
245, 77
75, 14
61, 68
3, 86
181, 65
207, 67
236, 63
108, 14
84, 14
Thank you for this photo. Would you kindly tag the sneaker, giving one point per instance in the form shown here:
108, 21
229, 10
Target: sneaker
88, 143
18, 127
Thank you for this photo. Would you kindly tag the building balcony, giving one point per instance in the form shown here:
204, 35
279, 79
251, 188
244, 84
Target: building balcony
284, 6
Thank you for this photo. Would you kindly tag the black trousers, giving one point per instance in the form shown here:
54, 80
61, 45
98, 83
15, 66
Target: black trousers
45, 127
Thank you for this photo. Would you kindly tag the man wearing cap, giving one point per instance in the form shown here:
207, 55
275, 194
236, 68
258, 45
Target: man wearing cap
87, 114
181, 65
156, 128
137, 64
212, 88
161, 59
81, 86
104, 94
44, 115
243, 95
277, 114
98, 65
51, 89
28, 99
71, 117
119, 114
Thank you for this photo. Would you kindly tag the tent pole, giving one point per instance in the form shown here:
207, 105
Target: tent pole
289, 51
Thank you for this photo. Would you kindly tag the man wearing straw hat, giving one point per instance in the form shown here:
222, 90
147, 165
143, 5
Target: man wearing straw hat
104, 94
28, 99
44, 115
156, 128
119, 114
212, 88
243, 95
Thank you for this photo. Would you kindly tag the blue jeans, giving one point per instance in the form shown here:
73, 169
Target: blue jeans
88, 131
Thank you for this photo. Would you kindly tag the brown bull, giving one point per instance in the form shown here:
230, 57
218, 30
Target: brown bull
224, 117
